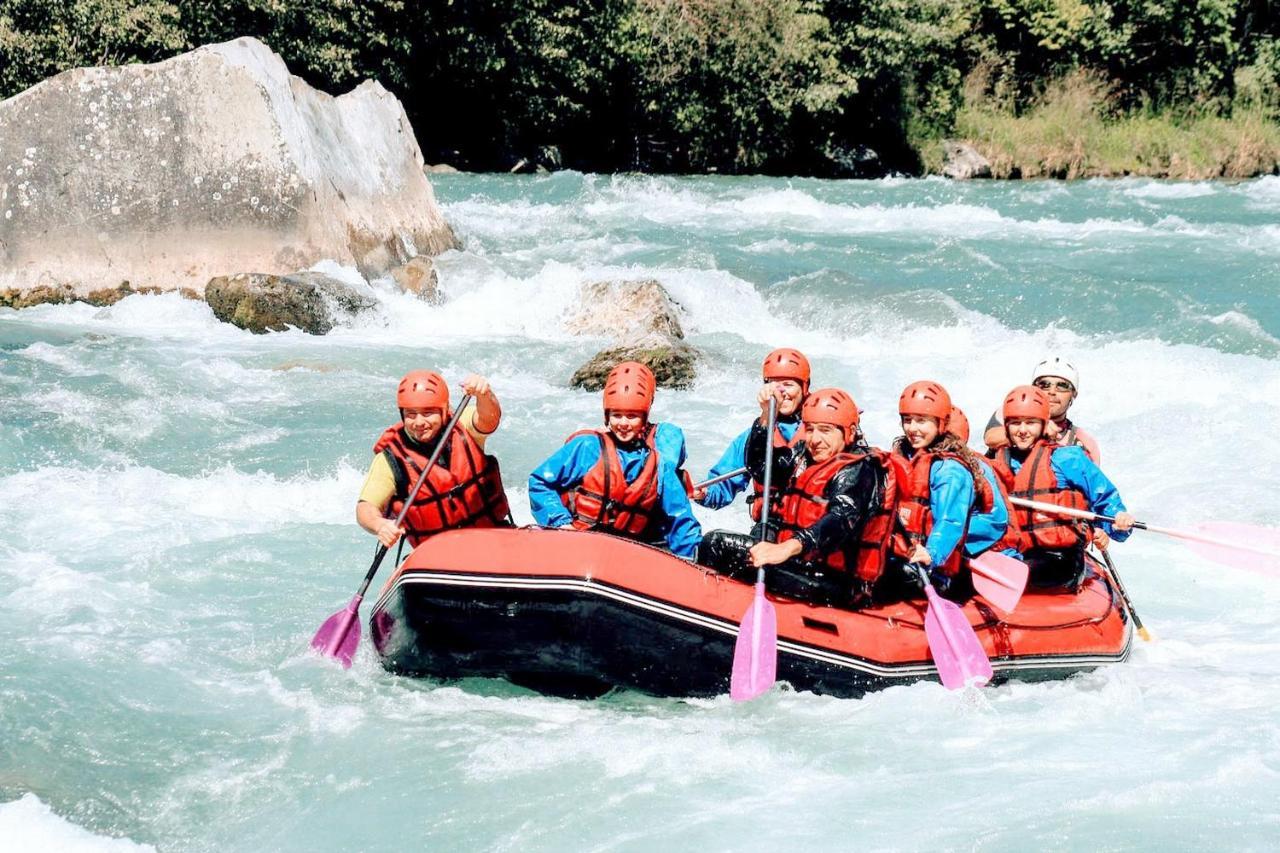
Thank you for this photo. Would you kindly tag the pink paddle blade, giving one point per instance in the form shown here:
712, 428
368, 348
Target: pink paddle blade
755, 654
1257, 548
339, 636
955, 647
1000, 579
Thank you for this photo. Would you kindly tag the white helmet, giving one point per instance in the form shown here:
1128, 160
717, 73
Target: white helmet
1056, 365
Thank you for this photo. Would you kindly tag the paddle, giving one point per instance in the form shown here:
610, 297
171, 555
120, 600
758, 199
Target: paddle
339, 636
755, 654
1000, 579
1251, 547
1124, 596
720, 478
956, 651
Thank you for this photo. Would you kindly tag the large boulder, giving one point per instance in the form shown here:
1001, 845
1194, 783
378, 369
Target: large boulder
218, 160
643, 322
964, 162
260, 303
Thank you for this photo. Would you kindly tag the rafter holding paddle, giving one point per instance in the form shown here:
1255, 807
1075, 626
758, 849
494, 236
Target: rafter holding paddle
339, 636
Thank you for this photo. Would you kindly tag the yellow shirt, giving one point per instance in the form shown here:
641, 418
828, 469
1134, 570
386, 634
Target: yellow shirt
380, 484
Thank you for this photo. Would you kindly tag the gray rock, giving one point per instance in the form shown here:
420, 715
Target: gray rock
674, 364
856, 162
441, 169
625, 309
166, 175
644, 323
260, 302
964, 162
420, 278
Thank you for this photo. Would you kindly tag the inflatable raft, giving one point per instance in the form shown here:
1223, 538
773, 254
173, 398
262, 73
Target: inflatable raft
577, 614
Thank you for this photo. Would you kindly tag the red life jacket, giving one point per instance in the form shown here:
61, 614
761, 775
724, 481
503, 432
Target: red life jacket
804, 502
1036, 481
1013, 536
915, 518
604, 498
755, 500
467, 493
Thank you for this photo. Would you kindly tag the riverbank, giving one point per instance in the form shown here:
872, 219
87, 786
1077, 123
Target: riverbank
1074, 131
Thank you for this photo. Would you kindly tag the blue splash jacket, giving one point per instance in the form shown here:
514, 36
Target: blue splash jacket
565, 469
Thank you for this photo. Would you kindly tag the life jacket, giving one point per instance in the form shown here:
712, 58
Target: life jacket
466, 493
915, 517
1013, 536
1074, 436
605, 500
804, 502
1036, 481
755, 500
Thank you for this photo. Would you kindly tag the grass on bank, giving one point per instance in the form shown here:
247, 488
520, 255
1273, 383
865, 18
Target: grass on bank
1074, 131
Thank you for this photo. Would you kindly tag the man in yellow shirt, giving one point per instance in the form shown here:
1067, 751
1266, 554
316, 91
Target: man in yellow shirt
464, 487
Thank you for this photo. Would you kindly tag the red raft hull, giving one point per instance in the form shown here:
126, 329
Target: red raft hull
578, 614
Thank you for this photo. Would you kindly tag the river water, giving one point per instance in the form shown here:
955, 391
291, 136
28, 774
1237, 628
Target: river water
176, 520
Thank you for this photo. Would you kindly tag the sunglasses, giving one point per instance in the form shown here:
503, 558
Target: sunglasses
1061, 385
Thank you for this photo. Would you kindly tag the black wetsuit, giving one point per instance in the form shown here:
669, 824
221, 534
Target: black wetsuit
851, 493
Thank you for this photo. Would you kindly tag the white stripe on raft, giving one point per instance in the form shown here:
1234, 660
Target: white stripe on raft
731, 628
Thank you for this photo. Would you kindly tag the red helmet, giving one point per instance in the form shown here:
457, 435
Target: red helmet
1026, 401
831, 406
926, 397
959, 425
423, 389
629, 388
786, 363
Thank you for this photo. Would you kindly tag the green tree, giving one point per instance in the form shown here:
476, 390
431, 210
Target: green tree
39, 39
719, 83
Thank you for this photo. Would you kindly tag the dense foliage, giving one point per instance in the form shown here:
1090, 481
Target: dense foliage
728, 85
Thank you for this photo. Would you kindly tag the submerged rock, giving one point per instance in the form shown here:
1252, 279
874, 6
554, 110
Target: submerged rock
964, 162
61, 294
420, 278
644, 322
166, 175
260, 303
43, 294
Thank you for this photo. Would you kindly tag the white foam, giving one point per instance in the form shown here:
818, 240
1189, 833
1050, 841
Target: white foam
118, 509
1169, 189
27, 824
1263, 192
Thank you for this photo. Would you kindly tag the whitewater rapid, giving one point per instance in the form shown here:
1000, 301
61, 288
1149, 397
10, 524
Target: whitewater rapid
176, 501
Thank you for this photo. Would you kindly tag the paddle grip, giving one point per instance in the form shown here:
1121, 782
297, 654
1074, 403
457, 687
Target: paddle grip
721, 478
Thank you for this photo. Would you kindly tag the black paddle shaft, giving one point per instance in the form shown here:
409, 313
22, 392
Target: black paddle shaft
768, 478
1124, 595
413, 493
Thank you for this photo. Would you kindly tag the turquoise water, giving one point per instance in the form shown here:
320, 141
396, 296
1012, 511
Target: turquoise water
176, 520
